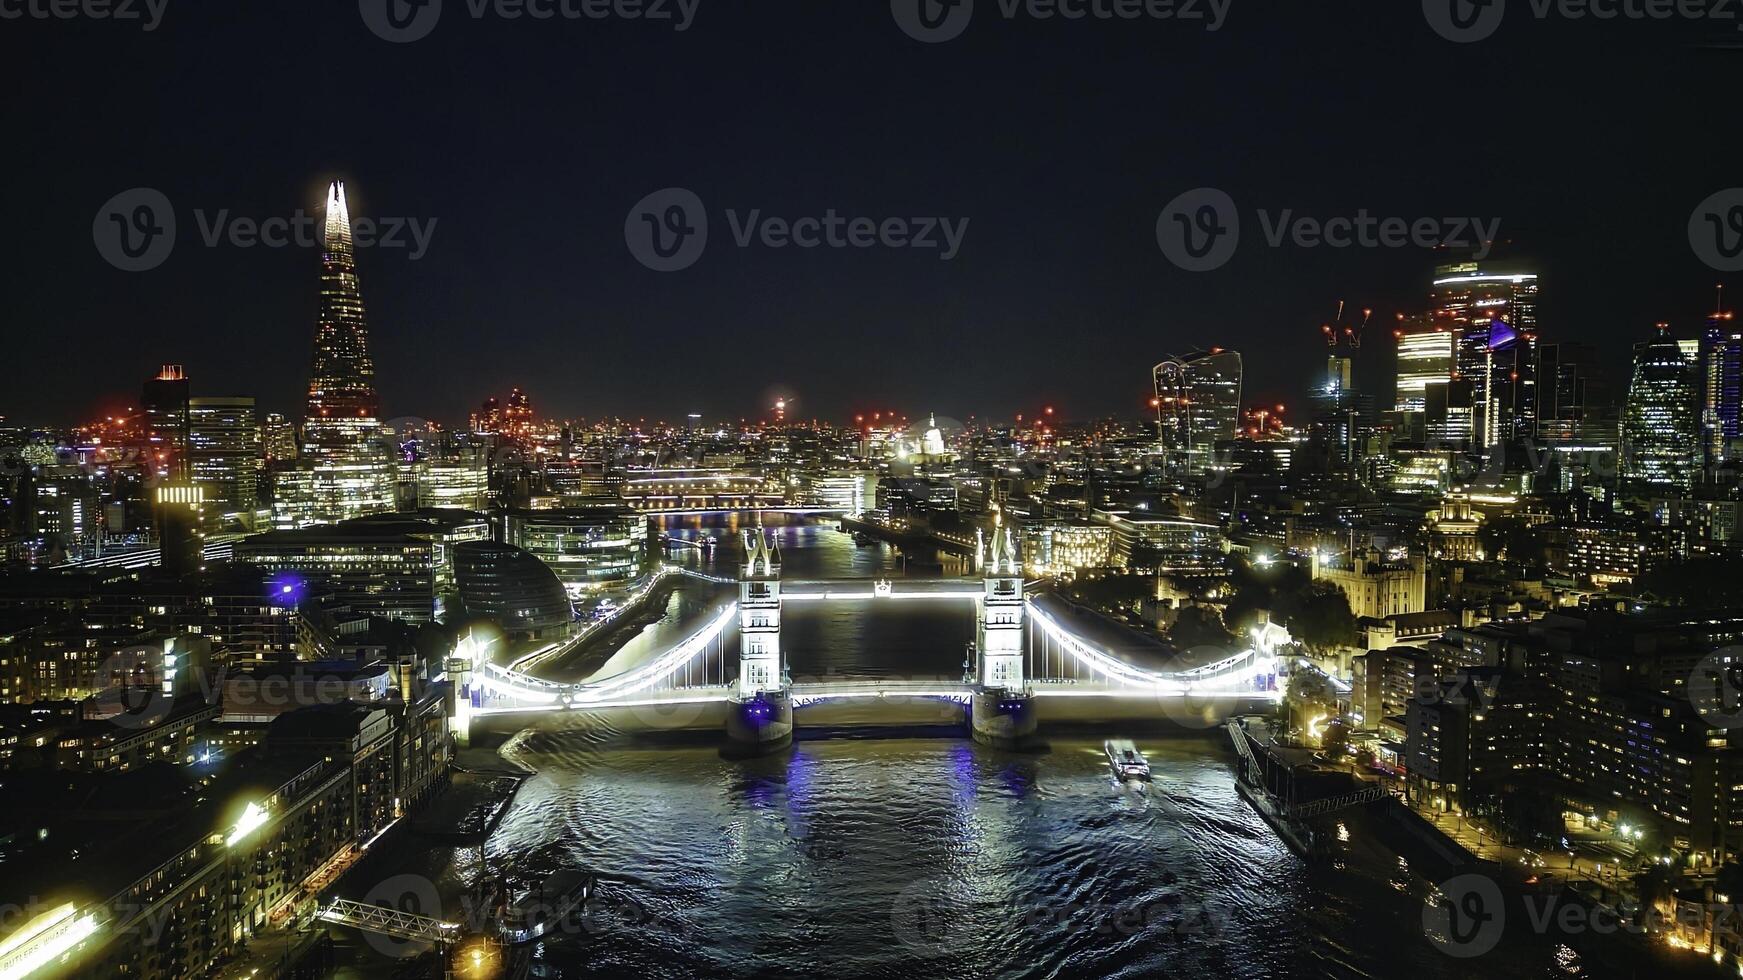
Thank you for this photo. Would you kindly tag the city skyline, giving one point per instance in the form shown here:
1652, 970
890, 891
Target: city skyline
1017, 488
1377, 367
536, 261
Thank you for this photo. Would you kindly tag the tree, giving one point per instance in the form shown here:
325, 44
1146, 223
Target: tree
1512, 539
1337, 739
1257, 589
1656, 885
1320, 618
1199, 626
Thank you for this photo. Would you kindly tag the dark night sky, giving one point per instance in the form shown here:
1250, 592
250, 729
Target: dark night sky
528, 141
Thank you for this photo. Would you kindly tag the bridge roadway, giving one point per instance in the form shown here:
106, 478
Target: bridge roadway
862, 703
645, 686
1118, 689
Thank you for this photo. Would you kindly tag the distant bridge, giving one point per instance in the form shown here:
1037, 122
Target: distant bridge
746, 509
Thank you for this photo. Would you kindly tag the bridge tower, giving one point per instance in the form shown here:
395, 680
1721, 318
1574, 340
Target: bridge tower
1002, 710
761, 719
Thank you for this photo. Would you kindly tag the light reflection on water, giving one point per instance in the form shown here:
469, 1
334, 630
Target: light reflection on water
884, 857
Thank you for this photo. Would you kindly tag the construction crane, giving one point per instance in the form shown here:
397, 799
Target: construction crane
1340, 332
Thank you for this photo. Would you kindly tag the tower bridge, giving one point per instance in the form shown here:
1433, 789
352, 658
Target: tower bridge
1023, 658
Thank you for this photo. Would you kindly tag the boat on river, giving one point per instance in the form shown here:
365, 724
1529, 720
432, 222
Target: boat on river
541, 908
1125, 760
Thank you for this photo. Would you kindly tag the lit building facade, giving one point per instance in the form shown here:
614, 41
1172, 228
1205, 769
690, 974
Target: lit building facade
1661, 433
1492, 316
1425, 357
589, 548
1452, 530
698, 488
343, 473
460, 481
1377, 589
342, 406
224, 459
1603, 555
1064, 546
278, 438
333, 487
855, 492
1198, 404
1721, 367
379, 572
165, 403
1163, 544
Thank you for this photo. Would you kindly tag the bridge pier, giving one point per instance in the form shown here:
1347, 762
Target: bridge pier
1003, 719
759, 725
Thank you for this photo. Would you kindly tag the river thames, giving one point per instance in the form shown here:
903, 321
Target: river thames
901, 857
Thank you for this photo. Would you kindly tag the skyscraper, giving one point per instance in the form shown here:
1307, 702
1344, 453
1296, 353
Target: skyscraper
345, 471
1425, 357
1492, 316
176, 508
165, 403
1573, 395
278, 438
1661, 441
1721, 366
1198, 404
224, 459
342, 406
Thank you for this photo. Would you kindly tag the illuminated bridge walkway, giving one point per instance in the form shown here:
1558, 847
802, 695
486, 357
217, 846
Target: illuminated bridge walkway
389, 922
1059, 664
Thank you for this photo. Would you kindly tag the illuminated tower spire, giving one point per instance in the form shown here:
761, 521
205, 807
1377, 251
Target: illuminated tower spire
342, 405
